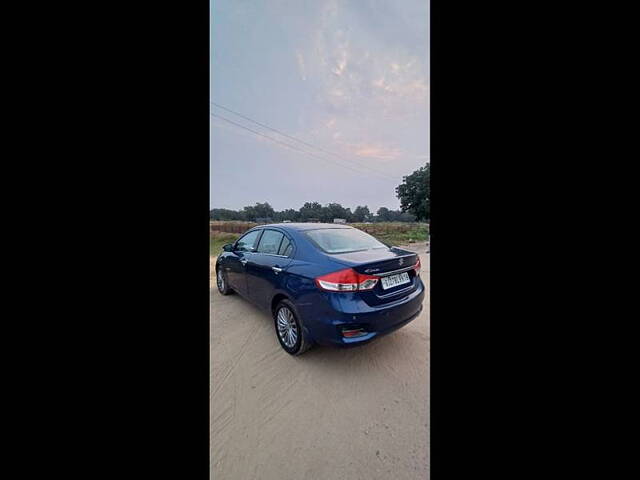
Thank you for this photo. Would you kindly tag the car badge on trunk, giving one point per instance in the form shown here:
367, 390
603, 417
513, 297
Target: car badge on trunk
401, 262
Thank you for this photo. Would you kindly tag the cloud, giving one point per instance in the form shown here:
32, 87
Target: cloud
301, 69
364, 78
342, 62
375, 151
369, 97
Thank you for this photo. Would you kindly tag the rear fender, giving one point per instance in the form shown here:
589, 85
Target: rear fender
282, 295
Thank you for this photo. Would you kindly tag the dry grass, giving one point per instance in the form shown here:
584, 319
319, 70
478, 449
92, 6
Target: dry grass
230, 227
393, 233
396, 233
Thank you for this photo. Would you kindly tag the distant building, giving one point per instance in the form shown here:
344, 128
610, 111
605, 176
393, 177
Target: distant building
339, 220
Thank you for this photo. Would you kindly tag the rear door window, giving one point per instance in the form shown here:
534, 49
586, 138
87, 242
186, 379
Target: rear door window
270, 242
286, 247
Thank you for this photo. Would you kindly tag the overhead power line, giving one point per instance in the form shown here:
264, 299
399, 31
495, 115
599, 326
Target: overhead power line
293, 147
363, 165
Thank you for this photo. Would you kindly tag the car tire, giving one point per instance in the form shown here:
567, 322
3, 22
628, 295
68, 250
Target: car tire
286, 312
223, 284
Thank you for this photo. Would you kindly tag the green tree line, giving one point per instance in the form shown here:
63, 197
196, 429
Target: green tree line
414, 193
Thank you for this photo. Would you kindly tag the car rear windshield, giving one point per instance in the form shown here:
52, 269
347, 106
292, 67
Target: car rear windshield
343, 240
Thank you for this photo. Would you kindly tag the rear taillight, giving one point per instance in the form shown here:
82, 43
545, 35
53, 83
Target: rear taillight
347, 280
417, 267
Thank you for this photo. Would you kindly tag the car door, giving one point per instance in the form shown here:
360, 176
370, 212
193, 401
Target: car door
235, 264
265, 268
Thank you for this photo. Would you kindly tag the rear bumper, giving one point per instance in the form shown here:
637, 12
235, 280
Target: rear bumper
353, 342
324, 317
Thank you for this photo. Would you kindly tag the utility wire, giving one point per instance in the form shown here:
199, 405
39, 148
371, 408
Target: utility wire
292, 147
302, 141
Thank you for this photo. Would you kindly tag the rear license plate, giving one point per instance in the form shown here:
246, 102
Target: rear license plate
394, 280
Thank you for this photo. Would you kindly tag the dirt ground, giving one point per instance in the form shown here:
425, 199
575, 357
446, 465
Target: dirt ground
360, 413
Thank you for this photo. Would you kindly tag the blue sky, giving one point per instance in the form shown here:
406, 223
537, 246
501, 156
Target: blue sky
350, 77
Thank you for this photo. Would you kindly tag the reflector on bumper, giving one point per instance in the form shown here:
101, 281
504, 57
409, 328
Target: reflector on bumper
353, 332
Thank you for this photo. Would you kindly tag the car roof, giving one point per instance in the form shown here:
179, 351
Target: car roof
304, 226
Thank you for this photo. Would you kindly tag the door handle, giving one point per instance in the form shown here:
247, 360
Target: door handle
276, 269
243, 261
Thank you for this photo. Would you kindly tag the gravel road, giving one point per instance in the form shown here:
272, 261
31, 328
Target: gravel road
360, 413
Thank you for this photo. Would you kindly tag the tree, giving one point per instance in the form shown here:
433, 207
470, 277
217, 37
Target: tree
361, 214
310, 210
383, 215
414, 193
407, 217
259, 210
395, 215
334, 210
224, 214
348, 215
289, 214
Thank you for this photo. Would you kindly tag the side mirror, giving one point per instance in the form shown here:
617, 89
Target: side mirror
228, 247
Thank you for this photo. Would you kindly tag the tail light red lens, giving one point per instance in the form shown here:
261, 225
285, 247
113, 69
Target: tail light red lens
417, 267
347, 280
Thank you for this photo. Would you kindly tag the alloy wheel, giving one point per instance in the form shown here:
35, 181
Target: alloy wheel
287, 327
220, 279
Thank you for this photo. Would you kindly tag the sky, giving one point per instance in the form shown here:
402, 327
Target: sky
348, 77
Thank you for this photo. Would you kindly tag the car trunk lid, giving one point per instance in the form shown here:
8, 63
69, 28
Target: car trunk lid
377, 261
382, 263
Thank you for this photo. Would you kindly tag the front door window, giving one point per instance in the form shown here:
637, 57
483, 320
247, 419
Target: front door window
248, 242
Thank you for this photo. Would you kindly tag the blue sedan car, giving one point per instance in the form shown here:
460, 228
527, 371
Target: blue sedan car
328, 284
